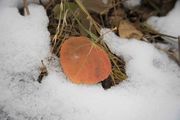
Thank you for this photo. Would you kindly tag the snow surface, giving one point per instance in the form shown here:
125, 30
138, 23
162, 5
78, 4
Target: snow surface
169, 24
151, 92
19, 3
132, 3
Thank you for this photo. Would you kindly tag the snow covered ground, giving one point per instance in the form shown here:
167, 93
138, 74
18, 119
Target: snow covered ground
151, 92
168, 24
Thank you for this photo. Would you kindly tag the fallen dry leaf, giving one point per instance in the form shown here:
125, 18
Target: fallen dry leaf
83, 61
127, 30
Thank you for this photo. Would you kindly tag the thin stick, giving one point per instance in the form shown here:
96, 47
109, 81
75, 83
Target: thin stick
179, 48
26, 9
88, 15
165, 35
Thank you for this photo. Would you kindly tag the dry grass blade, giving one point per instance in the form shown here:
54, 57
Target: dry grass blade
62, 29
88, 15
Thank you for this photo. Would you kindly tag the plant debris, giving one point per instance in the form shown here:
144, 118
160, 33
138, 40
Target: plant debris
43, 72
127, 30
85, 18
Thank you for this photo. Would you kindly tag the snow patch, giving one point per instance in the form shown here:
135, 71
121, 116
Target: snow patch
169, 24
19, 3
24, 42
151, 92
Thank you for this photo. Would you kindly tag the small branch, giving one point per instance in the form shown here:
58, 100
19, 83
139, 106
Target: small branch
43, 72
26, 9
165, 35
179, 48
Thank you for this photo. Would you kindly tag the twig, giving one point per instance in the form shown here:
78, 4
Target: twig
179, 48
165, 35
43, 72
26, 9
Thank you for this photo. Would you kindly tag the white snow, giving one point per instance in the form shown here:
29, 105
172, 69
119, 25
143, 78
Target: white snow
169, 24
24, 42
105, 1
152, 75
19, 3
131, 3
151, 92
